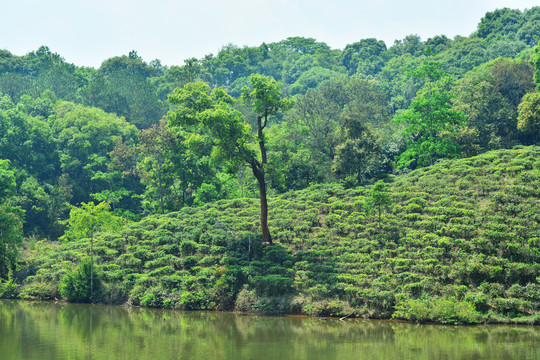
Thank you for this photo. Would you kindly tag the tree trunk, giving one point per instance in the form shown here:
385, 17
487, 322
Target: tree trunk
264, 213
259, 174
160, 189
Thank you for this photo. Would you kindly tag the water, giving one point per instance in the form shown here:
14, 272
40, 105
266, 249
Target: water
47, 330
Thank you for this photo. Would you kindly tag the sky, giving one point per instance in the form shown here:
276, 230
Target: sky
87, 32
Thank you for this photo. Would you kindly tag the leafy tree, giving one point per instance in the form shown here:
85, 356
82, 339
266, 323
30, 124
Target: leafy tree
337, 121
411, 44
356, 156
395, 81
177, 76
379, 199
27, 142
528, 32
213, 113
529, 116
535, 60
122, 86
489, 96
83, 134
267, 101
438, 43
84, 222
512, 78
490, 115
315, 118
312, 78
10, 220
293, 164
430, 120
206, 193
113, 191
172, 165
90, 218
154, 145
499, 22
366, 56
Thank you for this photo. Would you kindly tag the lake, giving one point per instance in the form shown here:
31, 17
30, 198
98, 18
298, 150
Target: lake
48, 330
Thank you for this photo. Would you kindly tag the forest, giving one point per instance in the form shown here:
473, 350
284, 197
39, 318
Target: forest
373, 181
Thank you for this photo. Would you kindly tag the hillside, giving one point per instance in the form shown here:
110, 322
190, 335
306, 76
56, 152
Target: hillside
460, 243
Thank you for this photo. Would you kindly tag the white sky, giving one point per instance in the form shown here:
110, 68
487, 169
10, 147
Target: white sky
87, 32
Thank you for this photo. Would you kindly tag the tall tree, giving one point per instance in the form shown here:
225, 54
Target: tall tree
535, 60
430, 120
212, 113
10, 220
529, 116
85, 221
379, 199
267, 101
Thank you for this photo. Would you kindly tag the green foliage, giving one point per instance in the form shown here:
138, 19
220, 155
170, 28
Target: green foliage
379, 199
89, 218
84, 134
430, 120
445, 311
535, 60
8, 289
266, 96
205, 194
10, 221
76, 285
529, 116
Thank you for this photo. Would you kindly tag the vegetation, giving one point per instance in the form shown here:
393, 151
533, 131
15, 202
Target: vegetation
390, 181
459, 243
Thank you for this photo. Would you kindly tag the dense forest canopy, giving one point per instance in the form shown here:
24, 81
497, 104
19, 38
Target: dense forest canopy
151, 139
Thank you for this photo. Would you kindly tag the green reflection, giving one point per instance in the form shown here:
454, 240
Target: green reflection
46, 330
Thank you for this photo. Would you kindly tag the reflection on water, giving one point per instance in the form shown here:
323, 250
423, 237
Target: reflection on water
44, 330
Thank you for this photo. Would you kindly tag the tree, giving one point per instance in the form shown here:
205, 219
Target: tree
267, 101
113, 191
356, 156
10, 220
365, 56
121, 86
535, 60
430, 122
379, 199
211, 113
155, 143
499, 22
529, 116
84, 222
489, 95
82, 134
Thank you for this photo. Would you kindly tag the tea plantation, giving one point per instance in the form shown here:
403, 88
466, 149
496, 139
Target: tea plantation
459, 242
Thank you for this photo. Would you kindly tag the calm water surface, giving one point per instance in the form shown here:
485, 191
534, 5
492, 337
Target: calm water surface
46, 331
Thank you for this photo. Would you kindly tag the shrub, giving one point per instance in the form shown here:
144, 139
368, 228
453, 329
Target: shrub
245, 300
446, 311
39, 291
8, 289
272, 285
77, 286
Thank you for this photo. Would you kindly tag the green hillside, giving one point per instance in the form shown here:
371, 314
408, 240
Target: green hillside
459, 243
